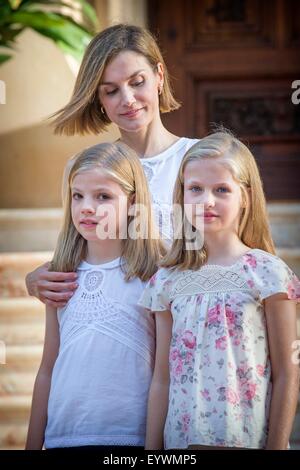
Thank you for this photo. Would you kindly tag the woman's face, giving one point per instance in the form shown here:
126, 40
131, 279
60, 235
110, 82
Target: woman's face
128, 91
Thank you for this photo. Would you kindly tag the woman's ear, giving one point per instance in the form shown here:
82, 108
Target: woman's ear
160, 72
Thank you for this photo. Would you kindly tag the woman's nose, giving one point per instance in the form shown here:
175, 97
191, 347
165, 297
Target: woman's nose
128, 97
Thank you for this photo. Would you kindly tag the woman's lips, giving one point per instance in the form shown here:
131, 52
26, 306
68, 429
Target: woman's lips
132, 113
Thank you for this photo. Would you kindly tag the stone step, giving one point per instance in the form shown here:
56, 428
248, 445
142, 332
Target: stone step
295, 435
291, 256
22, 310
13, 270
23, 358
21, 334
37, 229
16, 383
12, 447
13, 436
285, 223
15, 266
15, 409
29, 229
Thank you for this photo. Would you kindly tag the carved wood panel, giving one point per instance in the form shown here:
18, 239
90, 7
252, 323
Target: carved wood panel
229, 23
234, 62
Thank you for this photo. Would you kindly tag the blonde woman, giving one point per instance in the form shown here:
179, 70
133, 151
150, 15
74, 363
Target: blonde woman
229, 380
92, 386
123, 79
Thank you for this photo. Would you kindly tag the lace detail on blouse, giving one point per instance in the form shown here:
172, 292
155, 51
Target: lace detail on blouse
148, 170
93, 280
91, 308
163, 218
211, 279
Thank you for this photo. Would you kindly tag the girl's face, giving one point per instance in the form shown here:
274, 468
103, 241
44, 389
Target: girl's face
129, 91
209, 183
99, 205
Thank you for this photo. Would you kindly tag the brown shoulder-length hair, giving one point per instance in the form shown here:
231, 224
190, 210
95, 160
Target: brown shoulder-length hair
254, 230
83, 113
121, 164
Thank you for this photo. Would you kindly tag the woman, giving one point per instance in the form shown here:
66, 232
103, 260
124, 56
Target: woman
122, 79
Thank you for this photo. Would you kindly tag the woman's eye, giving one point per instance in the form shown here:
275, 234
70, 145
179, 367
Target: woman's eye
76, 196
111, 92
139, 83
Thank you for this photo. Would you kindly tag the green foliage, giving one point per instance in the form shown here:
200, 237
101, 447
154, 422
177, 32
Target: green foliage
70, 23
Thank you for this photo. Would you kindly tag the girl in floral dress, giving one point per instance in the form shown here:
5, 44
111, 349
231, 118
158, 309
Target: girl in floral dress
226, 373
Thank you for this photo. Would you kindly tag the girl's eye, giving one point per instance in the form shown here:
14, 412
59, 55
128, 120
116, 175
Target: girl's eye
195, 189
103, 197
76, 196
222, 189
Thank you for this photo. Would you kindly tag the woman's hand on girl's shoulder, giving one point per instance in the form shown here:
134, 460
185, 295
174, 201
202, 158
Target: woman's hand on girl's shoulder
51, 288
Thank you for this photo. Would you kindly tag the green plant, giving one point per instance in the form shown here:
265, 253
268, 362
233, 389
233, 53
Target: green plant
69, 23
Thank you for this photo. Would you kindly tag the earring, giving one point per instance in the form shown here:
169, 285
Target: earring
160, 89
102, 110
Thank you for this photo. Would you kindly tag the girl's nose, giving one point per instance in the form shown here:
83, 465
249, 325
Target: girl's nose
208, 200
88, 209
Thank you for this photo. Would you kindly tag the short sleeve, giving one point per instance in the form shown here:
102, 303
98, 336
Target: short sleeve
155, 296
274, 277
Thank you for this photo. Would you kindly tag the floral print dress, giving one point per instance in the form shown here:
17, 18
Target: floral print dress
220, 374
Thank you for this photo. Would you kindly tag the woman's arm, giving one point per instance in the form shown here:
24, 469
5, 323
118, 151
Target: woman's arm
38, 417
52, 288
159, 390
281, 326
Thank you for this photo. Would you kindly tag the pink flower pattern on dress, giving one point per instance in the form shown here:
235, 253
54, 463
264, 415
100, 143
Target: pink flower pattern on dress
293, 288
232, 396
221, 343
260, 370
220, 371
189, 340
251, 260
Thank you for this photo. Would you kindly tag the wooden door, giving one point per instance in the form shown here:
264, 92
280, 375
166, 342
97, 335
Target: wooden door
234, 62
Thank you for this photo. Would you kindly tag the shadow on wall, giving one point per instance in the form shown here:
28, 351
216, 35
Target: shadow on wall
32, 162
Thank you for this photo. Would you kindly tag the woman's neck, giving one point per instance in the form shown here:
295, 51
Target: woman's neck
104, 251
149, 141
224, 249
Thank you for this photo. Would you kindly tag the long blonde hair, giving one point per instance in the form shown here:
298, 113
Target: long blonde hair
254, 228
83, 114
122, 165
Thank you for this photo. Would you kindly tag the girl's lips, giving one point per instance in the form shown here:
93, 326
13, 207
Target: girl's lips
208, 217
89, 224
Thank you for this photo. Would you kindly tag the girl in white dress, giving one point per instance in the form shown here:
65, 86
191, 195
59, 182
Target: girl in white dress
92, 386
227, 310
